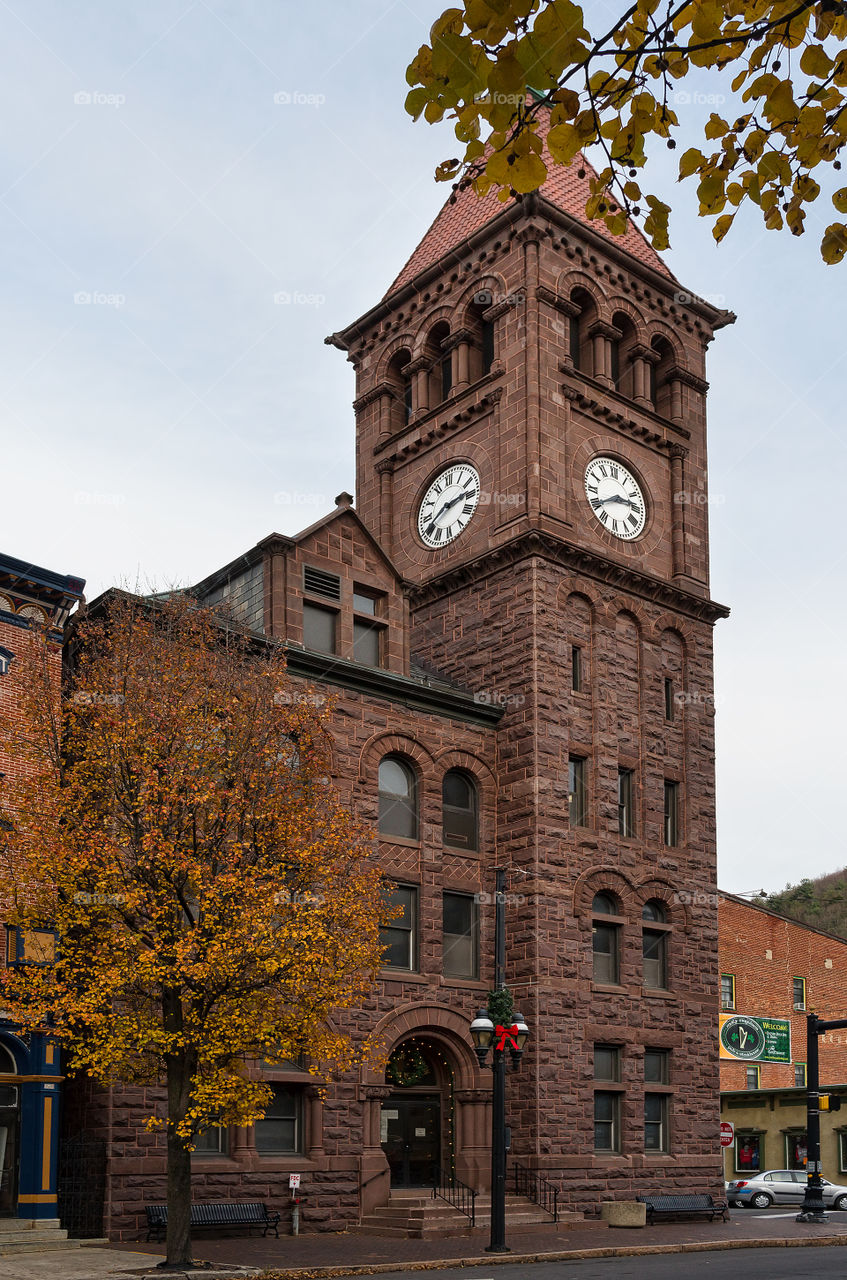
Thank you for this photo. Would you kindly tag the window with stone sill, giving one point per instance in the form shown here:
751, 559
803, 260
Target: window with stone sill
398, 798
656, 1107
280, 1131
605, 940
654, 942
727, 990
212, 1142
607, 1122
399, 935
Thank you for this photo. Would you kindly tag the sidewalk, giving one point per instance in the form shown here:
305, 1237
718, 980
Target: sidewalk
310, 1257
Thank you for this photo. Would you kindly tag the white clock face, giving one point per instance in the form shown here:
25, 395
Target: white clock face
448, 505
615, 497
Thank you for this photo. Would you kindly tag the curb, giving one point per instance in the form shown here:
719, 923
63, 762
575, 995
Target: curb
559, 1255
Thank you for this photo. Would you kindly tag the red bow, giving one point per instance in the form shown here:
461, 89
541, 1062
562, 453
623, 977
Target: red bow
506, 1033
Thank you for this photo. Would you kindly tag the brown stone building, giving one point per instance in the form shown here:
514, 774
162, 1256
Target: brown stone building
516, 626
776, 968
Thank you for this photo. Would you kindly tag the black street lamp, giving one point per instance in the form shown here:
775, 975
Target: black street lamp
486, 1035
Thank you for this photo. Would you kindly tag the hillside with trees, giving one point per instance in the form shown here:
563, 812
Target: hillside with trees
821, 902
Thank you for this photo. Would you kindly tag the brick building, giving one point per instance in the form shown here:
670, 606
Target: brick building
30, 1069
515, 623
776, 968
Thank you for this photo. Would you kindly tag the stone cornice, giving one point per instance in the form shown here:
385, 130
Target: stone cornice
641, 352
419, 436
556, 300
498, 309
688, 379
644, 585
419, 363
377, 682
600, 329
455, 338
601, 412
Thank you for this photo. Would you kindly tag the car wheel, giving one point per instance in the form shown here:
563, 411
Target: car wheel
840, 1202
761, 1200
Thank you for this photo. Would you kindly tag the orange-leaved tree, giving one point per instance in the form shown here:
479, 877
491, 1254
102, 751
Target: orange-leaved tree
213, 903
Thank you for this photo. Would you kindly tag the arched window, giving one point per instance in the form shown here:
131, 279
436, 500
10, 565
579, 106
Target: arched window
606, 939
8, 1066
655, 945
459, 824
400, 381
441, 372
398, 801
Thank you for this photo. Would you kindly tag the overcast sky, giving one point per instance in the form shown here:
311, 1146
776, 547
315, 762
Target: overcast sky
172, 169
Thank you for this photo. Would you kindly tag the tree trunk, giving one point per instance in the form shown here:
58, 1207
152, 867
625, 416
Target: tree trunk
180, 1071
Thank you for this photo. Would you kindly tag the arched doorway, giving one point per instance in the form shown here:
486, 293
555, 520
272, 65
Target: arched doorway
417, 1117
10, 1130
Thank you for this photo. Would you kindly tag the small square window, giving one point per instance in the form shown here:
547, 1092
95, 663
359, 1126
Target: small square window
753, 1077
798, 991
607, 1062
727, 991
212, 1142
656, 1066
799, 1075
460, 936
364, 601
400, 934
578, 791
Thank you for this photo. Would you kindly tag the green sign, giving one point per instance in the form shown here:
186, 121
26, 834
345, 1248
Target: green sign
755, 1039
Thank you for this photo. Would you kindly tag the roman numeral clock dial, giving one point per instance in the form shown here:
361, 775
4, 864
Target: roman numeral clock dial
615, 497
448, 505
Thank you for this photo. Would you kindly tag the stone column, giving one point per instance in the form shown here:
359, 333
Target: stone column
473, 1137
678, 455
385, 471
642, 358
386, 396
315, 1124
418, 371
459, 343
602, 336
374, 1097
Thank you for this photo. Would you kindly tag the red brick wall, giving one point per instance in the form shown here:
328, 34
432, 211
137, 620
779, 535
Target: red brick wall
765, 952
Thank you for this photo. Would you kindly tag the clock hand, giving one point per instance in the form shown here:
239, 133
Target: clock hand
440, 512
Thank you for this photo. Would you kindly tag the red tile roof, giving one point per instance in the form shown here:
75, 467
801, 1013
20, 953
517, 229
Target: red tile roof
563, 188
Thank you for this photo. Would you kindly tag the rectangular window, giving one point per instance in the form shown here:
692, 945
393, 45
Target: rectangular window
576, 668
799, 1075
842, 1151
578, 791
366, 643
607, 1108
655, 1122
280, 1131
626, 803
460, 938
604, 939
798, 988
607, 1062
399, 934
212, 1142
487, 345
654, 947
656, 1066
753, 1077
748, 1152
669, 703
796, 1150
318, 628
671, 813
727, 990
364, 602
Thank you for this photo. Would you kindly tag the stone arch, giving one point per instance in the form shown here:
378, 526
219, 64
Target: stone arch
491, 283
389, 743
656, 329
439, 315
617, 302
670, 622
678, 913
568, 280
433, 1022
486, 784
401, 342
599, 880
14, 1055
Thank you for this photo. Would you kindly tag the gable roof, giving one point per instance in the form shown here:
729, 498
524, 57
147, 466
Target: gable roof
563, 188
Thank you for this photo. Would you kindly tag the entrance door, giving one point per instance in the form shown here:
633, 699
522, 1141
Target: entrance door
9, 1131
411, 1138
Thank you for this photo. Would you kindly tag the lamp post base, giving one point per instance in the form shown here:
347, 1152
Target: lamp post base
491, 1248
812, 1215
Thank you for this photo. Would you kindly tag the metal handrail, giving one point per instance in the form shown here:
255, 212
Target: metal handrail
446, 1186
529, 1183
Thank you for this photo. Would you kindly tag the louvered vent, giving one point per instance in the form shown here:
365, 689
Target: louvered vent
319, 583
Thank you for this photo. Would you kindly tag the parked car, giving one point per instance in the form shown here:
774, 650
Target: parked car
780, 1186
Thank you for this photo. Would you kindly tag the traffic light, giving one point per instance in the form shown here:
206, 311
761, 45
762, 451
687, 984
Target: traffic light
830, 1102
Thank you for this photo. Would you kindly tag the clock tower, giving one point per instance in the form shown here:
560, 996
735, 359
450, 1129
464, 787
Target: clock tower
531, 455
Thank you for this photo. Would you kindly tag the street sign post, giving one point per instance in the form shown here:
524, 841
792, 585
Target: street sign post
727, 1133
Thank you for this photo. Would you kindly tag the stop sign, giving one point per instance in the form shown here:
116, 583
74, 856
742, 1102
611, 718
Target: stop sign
727, 1133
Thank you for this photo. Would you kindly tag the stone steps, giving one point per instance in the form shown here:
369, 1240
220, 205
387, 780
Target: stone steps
33, 1235
412, 1215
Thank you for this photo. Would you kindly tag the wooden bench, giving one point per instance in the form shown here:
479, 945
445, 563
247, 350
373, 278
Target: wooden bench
672, 1206
221, 1213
